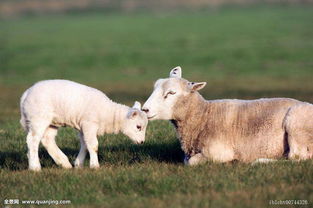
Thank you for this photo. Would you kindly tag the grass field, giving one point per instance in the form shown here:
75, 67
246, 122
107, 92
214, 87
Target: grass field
241, 52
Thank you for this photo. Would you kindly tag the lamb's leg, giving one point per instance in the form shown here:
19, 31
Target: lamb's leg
91, 141
33, 147
197, 159
54, 151
34, 136
79, 162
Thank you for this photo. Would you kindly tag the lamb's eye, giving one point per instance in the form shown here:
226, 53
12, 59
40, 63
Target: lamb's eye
139, 127
169, 93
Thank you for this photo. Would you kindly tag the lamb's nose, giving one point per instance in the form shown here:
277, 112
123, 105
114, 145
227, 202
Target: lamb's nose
145, 110
141, 142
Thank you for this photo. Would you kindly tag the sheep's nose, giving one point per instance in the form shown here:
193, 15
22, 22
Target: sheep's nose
141, 142
145, 110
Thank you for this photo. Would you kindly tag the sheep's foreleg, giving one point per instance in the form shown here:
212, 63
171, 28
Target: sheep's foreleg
197, 159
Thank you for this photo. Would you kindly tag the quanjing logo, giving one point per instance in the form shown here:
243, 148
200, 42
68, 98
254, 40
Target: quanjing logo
35, 202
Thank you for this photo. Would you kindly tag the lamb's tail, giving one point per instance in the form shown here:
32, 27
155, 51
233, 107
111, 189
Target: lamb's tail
23, 120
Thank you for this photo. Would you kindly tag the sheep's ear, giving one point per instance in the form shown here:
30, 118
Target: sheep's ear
195, 86
137, 105
132, 113
176, 72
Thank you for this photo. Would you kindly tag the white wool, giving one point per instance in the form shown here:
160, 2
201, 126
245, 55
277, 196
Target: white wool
50, 104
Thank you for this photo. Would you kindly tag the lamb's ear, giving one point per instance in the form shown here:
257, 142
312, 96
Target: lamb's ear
176, 72
137, 105
132, 113
195, 86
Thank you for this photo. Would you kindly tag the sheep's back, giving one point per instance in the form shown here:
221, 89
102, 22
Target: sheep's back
253, 128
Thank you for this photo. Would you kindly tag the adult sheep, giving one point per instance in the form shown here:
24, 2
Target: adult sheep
231, 129
51, 104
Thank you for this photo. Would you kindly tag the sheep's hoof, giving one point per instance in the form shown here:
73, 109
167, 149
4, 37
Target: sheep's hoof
195, 160
263, 160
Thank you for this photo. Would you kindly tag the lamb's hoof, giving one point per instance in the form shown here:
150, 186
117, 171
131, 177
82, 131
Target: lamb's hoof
78, 163
35, 168
94, 166
67, 166
78, 166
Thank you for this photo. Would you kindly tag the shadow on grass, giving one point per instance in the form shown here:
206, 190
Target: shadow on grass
13, 160
161, 152
123, 154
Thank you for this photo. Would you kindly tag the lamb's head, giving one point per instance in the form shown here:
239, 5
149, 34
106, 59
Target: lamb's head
135, 124
162, 101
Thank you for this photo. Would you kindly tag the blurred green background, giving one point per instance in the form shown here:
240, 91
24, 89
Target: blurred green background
243, 49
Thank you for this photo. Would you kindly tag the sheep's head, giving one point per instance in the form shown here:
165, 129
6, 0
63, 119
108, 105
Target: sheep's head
161, 103
135, 124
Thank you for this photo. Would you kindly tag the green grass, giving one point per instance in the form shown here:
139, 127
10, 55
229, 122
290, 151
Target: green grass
241, 52
209, 44
148, 175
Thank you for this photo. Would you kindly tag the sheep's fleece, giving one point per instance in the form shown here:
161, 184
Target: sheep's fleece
229, 130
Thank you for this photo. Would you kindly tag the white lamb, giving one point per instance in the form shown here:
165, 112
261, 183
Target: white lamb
51, 104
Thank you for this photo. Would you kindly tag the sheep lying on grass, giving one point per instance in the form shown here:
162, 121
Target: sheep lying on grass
227, 130
51, 104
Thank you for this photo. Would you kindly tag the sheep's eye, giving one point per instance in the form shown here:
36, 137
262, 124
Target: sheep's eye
169, 93
139, 127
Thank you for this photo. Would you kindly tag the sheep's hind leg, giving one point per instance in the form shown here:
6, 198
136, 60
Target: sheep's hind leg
299, 126
300, 144
79, 162
300, 150
54, 151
